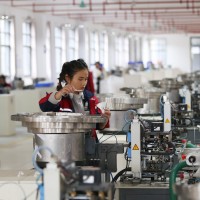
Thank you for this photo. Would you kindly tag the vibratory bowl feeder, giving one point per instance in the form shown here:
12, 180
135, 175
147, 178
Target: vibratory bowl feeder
63, 133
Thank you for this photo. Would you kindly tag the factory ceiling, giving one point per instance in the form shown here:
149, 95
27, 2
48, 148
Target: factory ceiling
143, 16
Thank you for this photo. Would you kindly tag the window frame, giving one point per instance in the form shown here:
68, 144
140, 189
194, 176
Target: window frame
192, 46
27, 48
158, 51
8, 44
94, 47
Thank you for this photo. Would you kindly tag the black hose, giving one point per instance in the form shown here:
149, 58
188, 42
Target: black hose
120, 173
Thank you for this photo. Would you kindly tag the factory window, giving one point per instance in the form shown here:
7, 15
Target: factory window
118, 51
195, 53
73, 44
94, 47
125, 50
7, 46
137, 48
47, 50
158, 51
59, 49
27, 48
103, 48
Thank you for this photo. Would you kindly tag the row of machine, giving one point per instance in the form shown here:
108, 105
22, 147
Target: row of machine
160, 122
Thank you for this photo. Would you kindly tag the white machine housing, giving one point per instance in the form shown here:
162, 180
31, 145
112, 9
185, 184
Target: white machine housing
167, 116
136, 149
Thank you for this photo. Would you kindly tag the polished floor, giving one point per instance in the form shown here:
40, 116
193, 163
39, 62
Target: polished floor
17, 175
16, 151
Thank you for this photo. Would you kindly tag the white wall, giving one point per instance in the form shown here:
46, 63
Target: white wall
178, 50
41, 24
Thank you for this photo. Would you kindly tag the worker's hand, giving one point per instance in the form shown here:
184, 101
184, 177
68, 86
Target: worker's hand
107, 115
64, 91
67, 89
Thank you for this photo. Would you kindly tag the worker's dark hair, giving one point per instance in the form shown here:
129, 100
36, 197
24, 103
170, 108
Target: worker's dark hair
70, 69
3, 77
97, 63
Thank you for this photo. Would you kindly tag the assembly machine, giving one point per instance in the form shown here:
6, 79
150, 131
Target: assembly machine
156, 144
157, 138
182, 93
60, 154
149, 153
68, 156
150, 156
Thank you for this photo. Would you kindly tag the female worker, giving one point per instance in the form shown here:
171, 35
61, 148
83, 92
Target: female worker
71, 95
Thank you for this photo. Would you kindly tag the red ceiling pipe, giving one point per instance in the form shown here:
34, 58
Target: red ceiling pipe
134, 17
104, 8
166, 9
186, 16
43, 4
146, 2
188, 6
96, 4
90, 4
193, 9
149, 20
125, 15
120, 4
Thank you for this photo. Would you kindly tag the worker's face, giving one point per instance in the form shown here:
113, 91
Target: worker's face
79, 80
2, 81
97, 66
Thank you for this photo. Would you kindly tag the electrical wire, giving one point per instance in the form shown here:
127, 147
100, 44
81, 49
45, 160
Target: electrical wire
22, 189
120, 173
129, 111
34, 156
161, 99
18, 185
109, 138
30, 194
128, 122
40, 170
111, 175
40, 188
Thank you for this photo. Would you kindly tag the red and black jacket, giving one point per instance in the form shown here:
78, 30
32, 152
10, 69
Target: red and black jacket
65, 104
